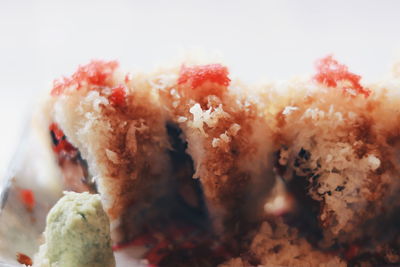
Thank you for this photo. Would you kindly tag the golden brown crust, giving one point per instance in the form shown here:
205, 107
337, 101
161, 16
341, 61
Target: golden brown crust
336, 153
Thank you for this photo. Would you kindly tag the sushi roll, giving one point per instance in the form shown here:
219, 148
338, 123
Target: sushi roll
338, 158
296, 173
183, 146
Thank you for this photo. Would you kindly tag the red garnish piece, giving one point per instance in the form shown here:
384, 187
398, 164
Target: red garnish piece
28, 199
197, 75
94, 73
24, 259
58, 133
60, 143
117, 97
128, 78
64, 146
330, 72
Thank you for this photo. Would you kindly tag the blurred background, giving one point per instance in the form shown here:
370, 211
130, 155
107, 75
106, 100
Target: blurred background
44, 39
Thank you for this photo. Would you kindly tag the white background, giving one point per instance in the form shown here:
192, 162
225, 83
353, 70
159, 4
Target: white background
41, 40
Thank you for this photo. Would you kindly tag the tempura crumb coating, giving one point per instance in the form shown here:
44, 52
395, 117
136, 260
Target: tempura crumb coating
228, 140
125, 141
276, 244
337, 153
335, 143
120, 143
342, 147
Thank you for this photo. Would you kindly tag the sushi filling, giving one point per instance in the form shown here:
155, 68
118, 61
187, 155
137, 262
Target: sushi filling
76, 176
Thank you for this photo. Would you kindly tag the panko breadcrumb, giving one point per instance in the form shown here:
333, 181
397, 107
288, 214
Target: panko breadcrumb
296, 173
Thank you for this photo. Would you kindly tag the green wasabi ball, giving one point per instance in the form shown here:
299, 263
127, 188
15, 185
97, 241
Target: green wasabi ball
77, 234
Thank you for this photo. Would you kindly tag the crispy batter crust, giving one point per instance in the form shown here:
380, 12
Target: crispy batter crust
334, 147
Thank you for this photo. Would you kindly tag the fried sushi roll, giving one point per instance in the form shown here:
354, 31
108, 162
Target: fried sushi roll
180, 146
338, 157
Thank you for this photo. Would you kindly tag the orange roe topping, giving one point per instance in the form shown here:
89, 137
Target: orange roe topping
58, 133
94, 73
197, 75
28, 199
24, 259
117, 97
60, 144
330, 72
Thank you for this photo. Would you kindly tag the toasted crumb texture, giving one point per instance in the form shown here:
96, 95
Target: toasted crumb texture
124, 145
342, 150
227, 136
120, 129
319, 154
337, 155
278, 245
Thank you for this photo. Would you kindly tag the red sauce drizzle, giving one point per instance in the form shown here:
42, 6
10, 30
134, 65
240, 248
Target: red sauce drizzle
60, 143
330, 72
28, 199
197, 75
117, 97
94, 73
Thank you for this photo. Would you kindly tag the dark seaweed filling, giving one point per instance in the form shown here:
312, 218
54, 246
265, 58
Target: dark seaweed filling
179, 214
195, 215
76, 159
182, 168
305, 216
54, 140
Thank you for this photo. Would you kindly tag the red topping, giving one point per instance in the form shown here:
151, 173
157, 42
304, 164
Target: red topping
28, 199
58, 133
24, 259
330, 72
117, 97
127, 77
197, 75
60, 144
94, 73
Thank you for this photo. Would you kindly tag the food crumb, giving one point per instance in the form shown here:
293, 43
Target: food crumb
24, 259
117, 97
28, 199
